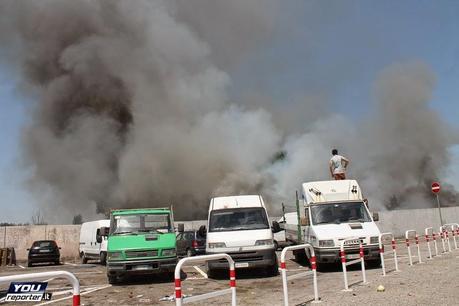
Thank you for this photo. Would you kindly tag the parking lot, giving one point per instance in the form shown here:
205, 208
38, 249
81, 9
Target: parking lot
432, 282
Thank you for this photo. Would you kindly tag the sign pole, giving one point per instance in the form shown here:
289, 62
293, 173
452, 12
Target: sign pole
439, 209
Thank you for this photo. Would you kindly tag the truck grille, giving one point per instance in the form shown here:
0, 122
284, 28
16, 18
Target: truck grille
137, 254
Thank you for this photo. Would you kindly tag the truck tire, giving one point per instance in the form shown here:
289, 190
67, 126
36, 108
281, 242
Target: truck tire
273, 270
84, 259
300, 256
374, 263
113, 279
103, 258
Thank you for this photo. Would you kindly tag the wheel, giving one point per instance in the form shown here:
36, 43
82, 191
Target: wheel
113, 279
211, 273
276, 245
103, 258
300, 256
189, 253
374, 263
273, 270
84, 259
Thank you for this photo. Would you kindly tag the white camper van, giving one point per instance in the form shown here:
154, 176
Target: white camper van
239, 226
92, 245
332, 211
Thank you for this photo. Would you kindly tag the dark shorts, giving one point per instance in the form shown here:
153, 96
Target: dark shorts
339, 176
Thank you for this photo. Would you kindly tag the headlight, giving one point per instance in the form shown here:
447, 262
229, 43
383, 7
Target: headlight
326, 243
374, 240
214, 245
169, 252
264, 242
113, 255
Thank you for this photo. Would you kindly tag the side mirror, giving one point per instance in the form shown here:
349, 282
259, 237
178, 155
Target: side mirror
202, 231
181, 227
375, 216
104, 231
304, 221
365, 201
276, 227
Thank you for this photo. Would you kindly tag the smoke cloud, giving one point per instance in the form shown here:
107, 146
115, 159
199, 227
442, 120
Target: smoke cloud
132, 109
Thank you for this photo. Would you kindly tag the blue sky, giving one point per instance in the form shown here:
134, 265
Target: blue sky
331, 48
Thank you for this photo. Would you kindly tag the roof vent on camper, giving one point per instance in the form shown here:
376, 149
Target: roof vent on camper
315, 191
354, 189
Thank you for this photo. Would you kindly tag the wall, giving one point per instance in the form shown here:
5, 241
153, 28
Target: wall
22, 237
67, 236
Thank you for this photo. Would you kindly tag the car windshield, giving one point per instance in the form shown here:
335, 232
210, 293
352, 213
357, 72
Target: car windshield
44, 244
141, 223
339, 213
238, 219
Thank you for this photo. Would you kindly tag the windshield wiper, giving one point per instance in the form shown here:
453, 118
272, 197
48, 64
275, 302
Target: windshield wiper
125, 232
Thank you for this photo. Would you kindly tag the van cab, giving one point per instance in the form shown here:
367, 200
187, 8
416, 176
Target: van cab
239, 226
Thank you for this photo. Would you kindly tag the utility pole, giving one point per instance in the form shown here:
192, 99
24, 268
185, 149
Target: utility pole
298, 216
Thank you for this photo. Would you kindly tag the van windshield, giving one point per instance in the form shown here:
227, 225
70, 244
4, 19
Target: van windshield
339, 213
142, 223
238, 219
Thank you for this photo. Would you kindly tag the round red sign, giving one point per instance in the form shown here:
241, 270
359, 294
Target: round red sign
435, 187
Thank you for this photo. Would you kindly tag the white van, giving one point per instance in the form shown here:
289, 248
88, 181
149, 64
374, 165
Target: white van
239, 226
331, 212
92, 245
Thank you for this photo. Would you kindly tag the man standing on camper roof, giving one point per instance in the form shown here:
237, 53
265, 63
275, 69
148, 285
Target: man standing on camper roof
338, 165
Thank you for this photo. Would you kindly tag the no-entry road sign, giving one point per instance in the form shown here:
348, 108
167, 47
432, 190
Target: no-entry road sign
435, 187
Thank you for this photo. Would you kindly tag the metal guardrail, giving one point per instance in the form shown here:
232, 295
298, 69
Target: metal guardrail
345, 264
204, 258
313, 270
45, 275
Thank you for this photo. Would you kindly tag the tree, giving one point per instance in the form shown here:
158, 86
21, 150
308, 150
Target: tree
77, 219
38, 218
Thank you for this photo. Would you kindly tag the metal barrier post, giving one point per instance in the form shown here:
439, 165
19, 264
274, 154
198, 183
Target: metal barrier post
407, 241
454, 231
344, 264
442, 236
179, 300
313, 268
427, 235
435, 242
419, 249
381, 251
45, 275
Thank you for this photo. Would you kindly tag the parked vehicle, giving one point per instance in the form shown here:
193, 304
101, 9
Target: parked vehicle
44, 251
190, 243
140, 241
92, 244
238, 226
331, 212
280, 239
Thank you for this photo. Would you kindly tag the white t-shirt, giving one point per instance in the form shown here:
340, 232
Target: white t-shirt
336, 162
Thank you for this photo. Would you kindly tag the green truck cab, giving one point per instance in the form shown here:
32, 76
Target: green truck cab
140, 241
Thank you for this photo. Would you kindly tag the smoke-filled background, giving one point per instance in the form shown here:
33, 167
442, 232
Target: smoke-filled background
133, 106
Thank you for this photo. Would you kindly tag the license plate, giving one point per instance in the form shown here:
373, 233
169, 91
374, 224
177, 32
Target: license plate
353, 256
44, 251
241, 264
352, 242
142, 267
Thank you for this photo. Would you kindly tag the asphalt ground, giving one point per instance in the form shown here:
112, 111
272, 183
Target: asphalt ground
433, 282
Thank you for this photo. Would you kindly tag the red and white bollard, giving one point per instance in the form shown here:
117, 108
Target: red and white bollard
344, 264
381, 251
204, 258
298, 275
427, 232
409, 233
45, 275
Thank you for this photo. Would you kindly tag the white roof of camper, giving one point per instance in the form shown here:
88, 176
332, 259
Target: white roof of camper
236, 202
331, 191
